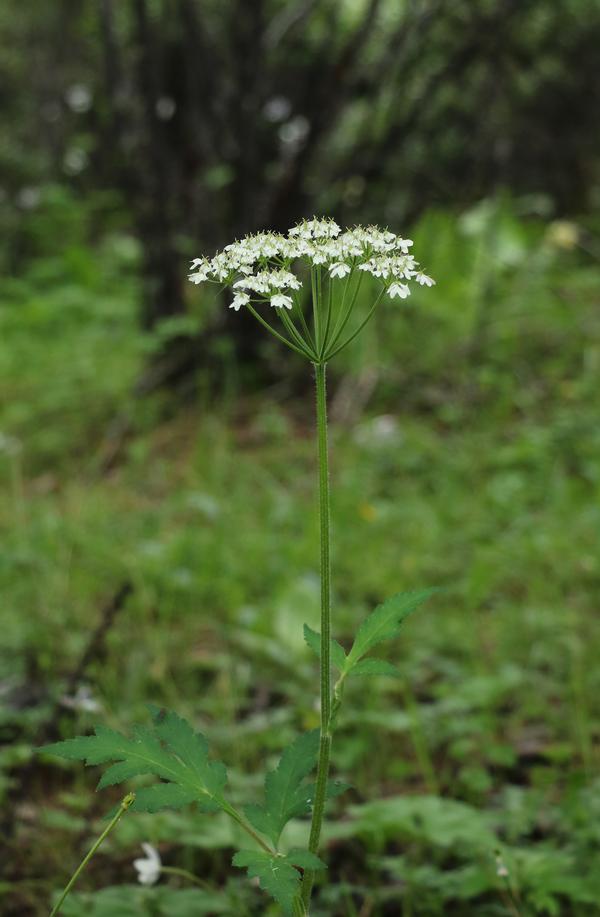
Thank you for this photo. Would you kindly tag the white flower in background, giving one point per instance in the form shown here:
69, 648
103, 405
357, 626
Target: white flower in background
280, 301
82, 700
239, 300
339, 269
501, 868
149, 867
398, 289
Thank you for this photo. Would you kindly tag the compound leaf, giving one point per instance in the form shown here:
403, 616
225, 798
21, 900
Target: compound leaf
162, 796
170, 750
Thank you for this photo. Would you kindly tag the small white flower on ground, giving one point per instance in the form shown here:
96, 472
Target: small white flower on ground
148, 867
280, 301
398, 289
239, 300
82, 700
339, 269
501, 868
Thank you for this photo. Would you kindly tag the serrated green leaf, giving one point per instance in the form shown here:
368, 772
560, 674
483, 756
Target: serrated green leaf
262, 820
170, 750
286, 796
275, 874
313, 640
124, 770
384, 622
283, 787
162, 796
374, 667
192, 750
305, 859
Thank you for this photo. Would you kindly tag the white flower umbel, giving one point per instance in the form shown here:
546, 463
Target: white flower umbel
317, 255
148, 867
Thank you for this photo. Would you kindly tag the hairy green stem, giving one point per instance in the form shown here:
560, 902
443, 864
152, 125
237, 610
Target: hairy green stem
325, 663
126, 802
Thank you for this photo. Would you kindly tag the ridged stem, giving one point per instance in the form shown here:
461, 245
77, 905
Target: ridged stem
325, 662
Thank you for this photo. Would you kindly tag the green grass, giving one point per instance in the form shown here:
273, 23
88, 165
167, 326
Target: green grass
475, 468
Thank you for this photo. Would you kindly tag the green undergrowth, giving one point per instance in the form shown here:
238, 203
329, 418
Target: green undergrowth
475, 467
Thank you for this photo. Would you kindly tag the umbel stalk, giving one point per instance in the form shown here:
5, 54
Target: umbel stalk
325, 662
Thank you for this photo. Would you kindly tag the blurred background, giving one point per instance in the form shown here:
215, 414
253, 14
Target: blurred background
158, 510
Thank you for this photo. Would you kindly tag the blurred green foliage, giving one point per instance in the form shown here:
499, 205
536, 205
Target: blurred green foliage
475, 467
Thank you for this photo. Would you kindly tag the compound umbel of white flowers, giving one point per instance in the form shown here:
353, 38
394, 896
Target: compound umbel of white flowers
270, 267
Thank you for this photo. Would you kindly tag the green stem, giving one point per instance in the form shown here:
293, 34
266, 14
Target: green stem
233, 813
343, 318
305, 328
349, 340
295, 334
328, 317
184, 874
275, 333
316, 302
126, 802
325, 663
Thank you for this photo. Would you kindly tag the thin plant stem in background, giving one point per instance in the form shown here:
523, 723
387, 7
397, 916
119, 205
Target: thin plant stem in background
126, 802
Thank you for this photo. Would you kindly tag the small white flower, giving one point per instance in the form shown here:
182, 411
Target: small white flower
82, 699
339, 269
239, 300
501, 868
280, 301
424, 280
398, 289
149, 867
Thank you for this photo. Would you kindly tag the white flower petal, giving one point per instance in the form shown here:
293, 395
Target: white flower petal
239, 300
398, 289
339, 269
280, 301
148, 868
